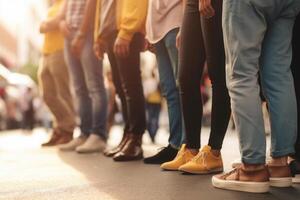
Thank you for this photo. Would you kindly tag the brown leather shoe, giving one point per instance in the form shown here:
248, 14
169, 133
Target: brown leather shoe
59, 137
53, 139
132, 150
65, 137
280, 176
117, 149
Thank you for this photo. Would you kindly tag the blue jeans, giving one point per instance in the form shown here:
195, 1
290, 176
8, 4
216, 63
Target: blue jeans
257, 37
167, 58
87, 76
153, 112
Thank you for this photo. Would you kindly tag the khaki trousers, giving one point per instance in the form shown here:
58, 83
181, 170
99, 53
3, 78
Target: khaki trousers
55, 89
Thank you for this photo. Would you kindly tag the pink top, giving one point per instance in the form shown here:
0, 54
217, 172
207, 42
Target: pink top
163, 16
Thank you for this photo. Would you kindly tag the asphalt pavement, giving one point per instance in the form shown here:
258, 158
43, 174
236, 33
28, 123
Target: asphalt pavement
29, 172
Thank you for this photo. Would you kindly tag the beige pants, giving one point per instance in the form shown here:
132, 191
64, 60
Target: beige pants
55, 88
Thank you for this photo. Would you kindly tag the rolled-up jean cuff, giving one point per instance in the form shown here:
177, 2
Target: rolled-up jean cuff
175, 146
286, 152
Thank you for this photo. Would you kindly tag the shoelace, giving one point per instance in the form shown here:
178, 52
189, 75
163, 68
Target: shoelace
234, 170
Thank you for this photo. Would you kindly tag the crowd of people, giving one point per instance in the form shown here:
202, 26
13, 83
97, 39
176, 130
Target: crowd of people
247, 48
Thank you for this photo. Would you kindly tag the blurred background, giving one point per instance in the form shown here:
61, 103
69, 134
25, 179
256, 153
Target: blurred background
20, 50
20, 44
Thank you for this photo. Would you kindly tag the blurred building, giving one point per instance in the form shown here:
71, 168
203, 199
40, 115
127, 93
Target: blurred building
20, 40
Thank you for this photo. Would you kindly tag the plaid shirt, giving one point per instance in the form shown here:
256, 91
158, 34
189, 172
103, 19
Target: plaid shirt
75, 11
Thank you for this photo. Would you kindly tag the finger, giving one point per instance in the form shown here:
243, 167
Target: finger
210, 11
68, 31
205, 12
98, 55
146, 45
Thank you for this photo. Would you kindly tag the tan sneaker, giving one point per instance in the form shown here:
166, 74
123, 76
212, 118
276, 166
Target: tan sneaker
205, 162
280, 176
71, 146
245, 180
236, 163
183, 156
94, 143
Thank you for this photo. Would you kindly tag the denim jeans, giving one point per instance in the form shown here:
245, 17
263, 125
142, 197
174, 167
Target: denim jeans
87, 76
257, 36
153, 112
167, 58
296, 73
55, 89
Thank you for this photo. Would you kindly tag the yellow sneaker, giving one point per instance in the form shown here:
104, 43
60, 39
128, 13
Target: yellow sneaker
204, 163
183, 156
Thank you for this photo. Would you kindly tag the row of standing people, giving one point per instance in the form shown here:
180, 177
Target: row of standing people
237, 39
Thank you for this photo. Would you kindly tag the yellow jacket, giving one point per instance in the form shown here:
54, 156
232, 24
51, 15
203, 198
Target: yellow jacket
54, 40
131, 17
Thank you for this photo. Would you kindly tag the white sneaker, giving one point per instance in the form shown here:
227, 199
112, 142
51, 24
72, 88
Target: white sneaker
94, 143
296, 179
71, 146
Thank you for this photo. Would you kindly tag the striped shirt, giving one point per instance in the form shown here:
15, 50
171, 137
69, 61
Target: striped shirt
75, 12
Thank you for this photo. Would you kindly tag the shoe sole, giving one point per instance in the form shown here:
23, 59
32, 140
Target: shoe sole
108, 154
253, 187
296, 179
169, 169
140, 157
66, 150
89, 151
281, 182
213, 171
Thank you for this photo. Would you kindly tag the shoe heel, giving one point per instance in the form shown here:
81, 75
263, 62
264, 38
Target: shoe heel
281, 182
296, 179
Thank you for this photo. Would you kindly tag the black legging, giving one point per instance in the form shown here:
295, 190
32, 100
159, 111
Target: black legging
126, 75
296, 73
202, 40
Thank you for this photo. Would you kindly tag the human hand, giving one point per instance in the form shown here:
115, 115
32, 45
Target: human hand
206, 8
98, 50
77, 45
64, 28
121, 47
43, 27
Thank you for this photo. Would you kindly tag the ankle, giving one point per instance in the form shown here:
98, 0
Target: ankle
279, 161
216, 153
253, 167
193, 151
